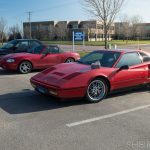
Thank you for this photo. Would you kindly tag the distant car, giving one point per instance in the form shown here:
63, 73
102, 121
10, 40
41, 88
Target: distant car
18, 46
40, 57
95, 75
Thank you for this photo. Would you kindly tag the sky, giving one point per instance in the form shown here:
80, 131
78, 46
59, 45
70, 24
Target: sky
15, 11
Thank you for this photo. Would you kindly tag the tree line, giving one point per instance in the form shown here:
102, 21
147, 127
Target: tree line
129, 28
8, 34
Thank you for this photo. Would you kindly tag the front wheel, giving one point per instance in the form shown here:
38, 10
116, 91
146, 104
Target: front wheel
97, 90
69, 60
25, 67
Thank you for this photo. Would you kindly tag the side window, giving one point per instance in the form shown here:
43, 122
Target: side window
53, 50
33, 44
38, 49
22, 46
143, 54
94, 57
129, 59
145, 57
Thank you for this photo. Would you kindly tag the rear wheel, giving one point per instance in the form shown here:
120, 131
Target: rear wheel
25, 67
97, 90
69, 60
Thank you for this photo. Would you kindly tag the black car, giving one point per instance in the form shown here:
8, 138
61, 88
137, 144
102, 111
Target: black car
18, 46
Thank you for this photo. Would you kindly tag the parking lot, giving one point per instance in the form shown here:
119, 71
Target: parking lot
30, 121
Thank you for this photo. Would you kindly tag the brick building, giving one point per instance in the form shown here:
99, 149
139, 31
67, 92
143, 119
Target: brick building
62, 30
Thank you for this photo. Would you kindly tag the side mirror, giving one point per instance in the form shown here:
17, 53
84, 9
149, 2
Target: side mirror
46, 53
146, 59
125, 67
95, 65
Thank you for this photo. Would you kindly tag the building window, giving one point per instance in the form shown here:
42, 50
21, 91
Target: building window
99, 26
45, 28
75, 26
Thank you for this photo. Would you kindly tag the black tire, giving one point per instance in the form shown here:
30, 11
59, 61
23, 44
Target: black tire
25, 67
69, 60
96, 90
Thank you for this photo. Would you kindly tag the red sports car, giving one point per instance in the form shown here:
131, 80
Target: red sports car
95, 75
40, 57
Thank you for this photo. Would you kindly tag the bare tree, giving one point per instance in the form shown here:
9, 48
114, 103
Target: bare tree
105, 11
130, 27
136, 28
15, 32
3, 24
125, 27
61, 30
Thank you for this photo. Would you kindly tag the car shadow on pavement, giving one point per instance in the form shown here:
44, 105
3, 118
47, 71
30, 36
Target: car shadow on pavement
28, 101
6, 72
129, 91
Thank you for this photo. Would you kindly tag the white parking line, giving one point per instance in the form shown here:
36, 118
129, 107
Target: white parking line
106, 116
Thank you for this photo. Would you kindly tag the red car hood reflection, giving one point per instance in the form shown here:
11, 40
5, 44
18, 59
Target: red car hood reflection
54, 74
61, 73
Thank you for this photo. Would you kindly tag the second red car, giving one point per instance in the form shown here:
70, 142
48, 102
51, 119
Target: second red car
40, 57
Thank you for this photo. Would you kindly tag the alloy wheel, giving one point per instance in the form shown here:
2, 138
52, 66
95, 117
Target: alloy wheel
97, 90
25, 67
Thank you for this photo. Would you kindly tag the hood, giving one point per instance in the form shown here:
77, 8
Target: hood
63, 72
69, 68
59, 74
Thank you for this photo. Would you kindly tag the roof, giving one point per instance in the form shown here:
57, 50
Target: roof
26, 39
122, 50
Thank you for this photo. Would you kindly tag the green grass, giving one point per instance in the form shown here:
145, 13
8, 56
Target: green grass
82, 53
100, 43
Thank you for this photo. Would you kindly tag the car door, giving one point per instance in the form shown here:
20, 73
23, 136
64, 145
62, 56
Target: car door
36, 55
135, 75
50, 56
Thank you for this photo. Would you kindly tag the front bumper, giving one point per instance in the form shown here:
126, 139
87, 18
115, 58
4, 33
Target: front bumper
56, 91
8, 66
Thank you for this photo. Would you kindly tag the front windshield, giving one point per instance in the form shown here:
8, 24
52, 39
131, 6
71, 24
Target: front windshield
106, 58
10, 44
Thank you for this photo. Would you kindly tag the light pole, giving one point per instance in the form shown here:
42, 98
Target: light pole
138, 38
30, 33
138, 43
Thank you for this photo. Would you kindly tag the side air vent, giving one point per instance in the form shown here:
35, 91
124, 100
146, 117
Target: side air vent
71, 76
59, 73
48, 70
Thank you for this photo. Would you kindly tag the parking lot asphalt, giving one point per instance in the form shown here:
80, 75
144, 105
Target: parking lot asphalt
30, 121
